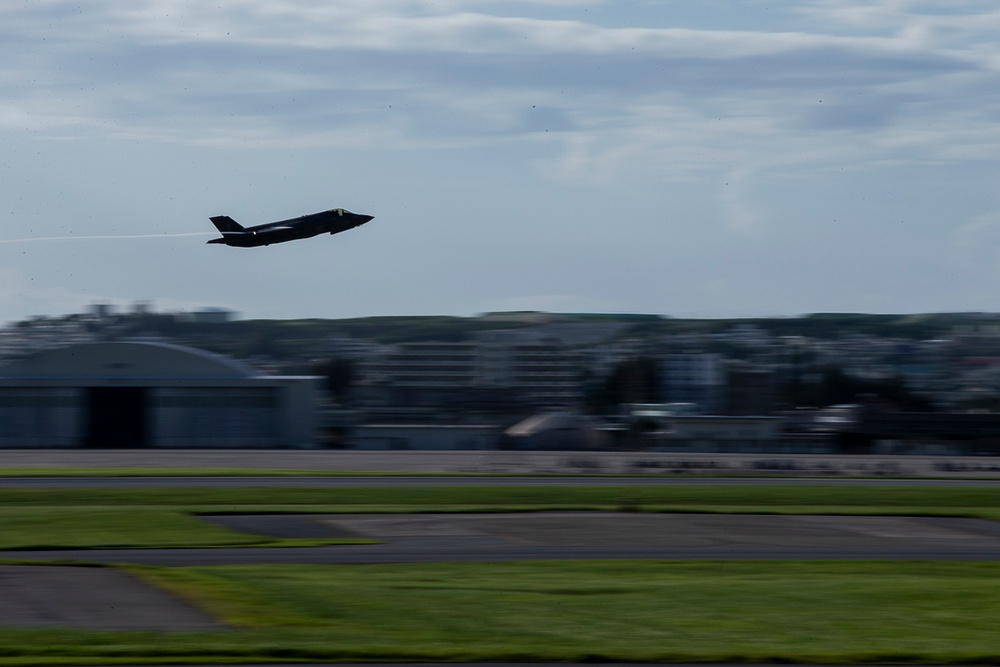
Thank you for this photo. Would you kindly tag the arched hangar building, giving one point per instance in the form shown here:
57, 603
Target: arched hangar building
150, 394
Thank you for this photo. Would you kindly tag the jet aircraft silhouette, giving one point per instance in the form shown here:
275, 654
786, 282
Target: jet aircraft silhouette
304, 227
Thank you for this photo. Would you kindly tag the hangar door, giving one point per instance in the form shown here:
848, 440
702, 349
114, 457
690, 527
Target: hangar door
116, 417
218, 417
39, 416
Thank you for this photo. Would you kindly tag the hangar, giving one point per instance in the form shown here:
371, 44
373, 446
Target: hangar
150, 394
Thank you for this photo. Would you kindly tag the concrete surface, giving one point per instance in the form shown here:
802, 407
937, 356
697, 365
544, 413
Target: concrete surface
91, 598
347, 481
604, 530
281, 526
652, 463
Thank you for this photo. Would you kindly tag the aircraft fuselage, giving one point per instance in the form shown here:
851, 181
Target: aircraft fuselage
333, 221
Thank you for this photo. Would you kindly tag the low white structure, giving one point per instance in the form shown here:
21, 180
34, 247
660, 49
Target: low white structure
150, 394
554, 431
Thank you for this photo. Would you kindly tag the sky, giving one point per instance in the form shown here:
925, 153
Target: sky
690, 158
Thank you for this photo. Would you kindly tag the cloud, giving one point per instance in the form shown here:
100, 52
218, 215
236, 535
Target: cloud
20, 294
853, 82
976, 243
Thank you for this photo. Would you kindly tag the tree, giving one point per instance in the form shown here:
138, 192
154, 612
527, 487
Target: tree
338, 377
631, 381
837, 387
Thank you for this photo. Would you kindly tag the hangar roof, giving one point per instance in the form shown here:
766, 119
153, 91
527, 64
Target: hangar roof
124, 360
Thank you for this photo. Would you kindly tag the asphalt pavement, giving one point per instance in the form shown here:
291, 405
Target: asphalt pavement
91, 598
418, 538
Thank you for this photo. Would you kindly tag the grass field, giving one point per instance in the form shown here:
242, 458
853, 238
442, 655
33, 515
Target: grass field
776, 496
84, 527
816, 612
715, 611
196, 472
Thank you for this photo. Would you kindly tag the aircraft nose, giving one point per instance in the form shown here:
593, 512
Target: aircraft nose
365, 218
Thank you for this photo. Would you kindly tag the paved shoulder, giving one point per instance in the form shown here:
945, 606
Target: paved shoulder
91, 598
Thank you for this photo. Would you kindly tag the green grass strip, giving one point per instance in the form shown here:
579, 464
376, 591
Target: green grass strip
161, 517
23, 528
625, 497
208, 472
646, 611
294, 472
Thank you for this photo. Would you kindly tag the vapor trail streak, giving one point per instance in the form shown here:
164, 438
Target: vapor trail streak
104, 238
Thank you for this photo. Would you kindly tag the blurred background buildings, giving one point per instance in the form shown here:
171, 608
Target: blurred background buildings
641, 380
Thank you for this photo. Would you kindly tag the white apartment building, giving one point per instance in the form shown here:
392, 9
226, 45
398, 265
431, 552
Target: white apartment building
539, 371
425, 364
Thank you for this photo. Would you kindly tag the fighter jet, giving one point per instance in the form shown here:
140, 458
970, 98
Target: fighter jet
304, 227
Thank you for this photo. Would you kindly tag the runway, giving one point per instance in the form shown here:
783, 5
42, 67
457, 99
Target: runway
69, 598
427, 480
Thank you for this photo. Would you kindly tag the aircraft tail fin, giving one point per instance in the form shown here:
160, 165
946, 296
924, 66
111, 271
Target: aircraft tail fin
226, 224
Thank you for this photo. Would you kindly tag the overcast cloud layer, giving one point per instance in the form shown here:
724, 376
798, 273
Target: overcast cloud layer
710, 158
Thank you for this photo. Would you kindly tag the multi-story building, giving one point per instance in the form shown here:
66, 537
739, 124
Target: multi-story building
694, 378
431, 364
418, 374
346, 347
520, 368
541, 370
